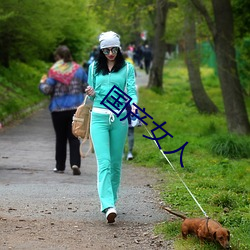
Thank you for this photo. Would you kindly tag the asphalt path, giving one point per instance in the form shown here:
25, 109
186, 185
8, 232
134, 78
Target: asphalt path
31, 190
26, 164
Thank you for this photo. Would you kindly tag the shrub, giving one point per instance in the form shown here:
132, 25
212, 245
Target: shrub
230, 146
224, 200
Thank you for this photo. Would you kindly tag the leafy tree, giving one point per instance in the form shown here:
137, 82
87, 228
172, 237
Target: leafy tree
242, 33
241, 18
221, 28
201, 99
22, 35
28, 33
175, 24
126, 17
156, 72
79, 28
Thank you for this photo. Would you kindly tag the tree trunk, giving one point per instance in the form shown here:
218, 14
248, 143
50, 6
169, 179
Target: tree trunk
159, 47
235, 109
223, 38
201, 99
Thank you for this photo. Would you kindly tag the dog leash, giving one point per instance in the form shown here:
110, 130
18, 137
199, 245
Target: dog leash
179, 176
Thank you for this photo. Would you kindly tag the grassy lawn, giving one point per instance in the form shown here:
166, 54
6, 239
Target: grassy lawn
216, 164
19, 88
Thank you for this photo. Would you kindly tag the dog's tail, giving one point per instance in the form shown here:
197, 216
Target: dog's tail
175, 213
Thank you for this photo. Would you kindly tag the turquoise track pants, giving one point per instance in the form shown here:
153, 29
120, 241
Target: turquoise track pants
108, 139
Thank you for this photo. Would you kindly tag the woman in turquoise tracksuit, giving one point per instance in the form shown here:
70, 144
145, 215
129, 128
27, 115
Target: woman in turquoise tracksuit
108, 132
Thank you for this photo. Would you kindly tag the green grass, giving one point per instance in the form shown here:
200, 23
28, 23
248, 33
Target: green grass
216, 164
19, 87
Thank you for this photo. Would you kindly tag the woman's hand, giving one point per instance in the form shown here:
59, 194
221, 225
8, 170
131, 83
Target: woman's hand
134, 109
90, 91
43, 79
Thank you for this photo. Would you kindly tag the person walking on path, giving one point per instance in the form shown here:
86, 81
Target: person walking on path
131, 129
65, 84
147, 54
107, 131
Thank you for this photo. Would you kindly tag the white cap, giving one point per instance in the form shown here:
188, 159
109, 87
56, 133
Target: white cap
109, 39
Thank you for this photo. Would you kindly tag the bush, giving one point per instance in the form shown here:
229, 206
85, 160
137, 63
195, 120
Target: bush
230, 146
223, 200
19, 88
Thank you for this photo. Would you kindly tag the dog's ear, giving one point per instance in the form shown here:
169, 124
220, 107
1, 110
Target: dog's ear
214, 235
228, 237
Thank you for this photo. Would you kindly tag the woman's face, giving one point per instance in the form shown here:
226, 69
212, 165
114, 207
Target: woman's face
110, 53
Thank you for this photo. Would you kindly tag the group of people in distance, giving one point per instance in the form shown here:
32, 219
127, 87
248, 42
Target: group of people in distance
67, 83
141, 55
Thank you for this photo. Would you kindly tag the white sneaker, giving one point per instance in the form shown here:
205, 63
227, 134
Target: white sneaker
130, 156
58, 171
111, 214
76, 170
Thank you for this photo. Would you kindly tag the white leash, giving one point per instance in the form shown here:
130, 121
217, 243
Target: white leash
178, 175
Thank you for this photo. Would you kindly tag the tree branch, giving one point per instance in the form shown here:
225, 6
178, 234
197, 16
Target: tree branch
172, 5
202, 9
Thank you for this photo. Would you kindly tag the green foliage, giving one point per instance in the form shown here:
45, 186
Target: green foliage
19, 87
208, 58
243, 59
241, 17
176, 18
128, 18
170, 230
224, 200
28, 33
210, 130
231, 146
175, 25
219, 183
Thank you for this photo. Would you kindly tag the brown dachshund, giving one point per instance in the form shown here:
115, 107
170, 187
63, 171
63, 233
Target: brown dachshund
204, 229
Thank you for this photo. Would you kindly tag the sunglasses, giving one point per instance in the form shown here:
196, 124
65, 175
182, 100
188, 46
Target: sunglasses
106, 51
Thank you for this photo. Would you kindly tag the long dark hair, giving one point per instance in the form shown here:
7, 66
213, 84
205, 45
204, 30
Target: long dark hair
102, 67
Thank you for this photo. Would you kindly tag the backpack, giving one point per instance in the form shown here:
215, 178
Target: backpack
81, 126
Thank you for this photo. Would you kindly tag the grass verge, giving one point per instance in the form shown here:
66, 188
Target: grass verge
216, 164
19, 89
